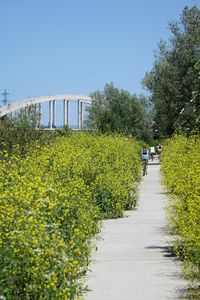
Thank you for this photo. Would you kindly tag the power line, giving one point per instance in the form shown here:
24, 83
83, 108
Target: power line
5, 100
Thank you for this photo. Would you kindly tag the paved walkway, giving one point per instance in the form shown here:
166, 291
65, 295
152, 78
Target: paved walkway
133, 260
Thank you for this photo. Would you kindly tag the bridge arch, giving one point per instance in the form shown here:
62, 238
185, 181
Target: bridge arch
37, 101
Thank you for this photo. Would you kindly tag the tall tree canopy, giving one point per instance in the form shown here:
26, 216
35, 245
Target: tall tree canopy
174, 81
115, 110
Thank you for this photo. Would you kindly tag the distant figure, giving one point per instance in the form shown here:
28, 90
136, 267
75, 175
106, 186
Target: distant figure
159, 150
144, 157
152, 152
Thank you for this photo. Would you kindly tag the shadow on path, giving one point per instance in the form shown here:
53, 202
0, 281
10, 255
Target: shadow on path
166, 250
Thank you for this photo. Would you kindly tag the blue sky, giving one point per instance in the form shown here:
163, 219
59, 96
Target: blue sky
77, 46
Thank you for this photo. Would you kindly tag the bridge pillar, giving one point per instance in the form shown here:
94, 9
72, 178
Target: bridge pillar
80, 114
66, 112
50, 114
40, 114
54, 113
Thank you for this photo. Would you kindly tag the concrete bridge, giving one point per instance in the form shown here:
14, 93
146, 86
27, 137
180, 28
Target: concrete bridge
51, 100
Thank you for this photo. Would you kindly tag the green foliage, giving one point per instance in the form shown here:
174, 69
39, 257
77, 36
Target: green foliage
174, 79
115, 110
50, 204
181, 169
66, 130
21, 129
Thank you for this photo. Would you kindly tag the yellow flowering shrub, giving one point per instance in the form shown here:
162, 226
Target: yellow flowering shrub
181, 169
50, 204
114, 186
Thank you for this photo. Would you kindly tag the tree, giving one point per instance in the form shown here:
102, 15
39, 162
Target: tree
174, 78
19, 129
115, 110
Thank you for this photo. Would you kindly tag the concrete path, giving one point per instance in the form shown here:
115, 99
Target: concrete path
133, 260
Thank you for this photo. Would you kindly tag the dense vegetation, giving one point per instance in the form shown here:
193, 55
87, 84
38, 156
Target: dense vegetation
174, 81
115, 110
50, 204
181, 169
21, 129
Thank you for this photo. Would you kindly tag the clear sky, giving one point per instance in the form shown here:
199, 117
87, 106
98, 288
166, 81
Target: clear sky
77, 46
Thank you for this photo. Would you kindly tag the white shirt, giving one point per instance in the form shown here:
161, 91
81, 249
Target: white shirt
152, 150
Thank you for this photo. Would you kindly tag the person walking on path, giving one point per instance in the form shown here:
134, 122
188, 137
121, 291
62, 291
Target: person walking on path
152, 152
159, 150
145, 158
133, 258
